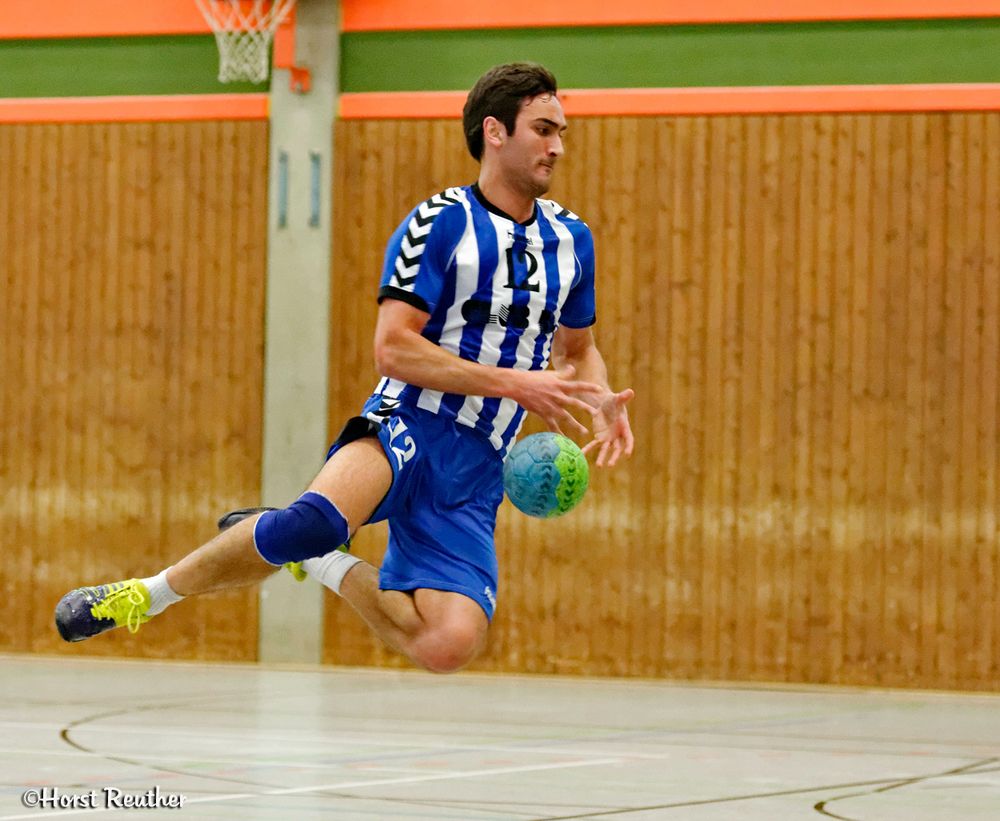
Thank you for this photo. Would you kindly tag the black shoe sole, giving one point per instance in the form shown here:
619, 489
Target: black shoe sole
236, 516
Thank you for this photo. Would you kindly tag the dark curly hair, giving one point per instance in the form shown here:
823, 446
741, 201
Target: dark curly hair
498, 93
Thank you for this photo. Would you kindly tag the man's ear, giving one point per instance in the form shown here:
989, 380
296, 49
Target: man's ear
494, 131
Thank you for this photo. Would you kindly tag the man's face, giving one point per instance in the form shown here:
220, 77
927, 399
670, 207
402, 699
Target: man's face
528, 156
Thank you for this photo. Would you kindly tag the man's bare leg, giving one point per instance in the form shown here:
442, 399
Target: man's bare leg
436, 629
229, 560
439, 630
355, 479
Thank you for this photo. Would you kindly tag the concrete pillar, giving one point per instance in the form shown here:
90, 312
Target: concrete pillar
297, 336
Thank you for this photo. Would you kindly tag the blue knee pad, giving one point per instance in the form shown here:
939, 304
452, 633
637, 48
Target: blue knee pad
311, 526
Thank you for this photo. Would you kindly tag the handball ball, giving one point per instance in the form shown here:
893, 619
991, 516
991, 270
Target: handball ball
545, 475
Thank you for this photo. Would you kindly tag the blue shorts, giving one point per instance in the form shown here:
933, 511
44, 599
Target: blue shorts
447, 484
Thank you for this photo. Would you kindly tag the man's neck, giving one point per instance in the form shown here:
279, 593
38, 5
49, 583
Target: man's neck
520, 207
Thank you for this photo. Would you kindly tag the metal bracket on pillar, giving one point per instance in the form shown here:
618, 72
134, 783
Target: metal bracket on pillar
300, 79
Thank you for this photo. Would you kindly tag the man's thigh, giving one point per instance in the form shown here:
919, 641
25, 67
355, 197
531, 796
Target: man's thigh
356, 478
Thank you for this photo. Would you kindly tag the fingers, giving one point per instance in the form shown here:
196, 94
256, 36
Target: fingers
624, 444
575, 386
616, 452
602, 454
612, 447
553, 423
556, 413
578, 403
614, 439
568, 373
625, 396
575, 423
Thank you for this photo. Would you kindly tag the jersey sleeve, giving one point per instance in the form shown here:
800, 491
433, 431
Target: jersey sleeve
419, 253
579, 310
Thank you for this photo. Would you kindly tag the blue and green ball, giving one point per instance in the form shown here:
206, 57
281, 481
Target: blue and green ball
545, 475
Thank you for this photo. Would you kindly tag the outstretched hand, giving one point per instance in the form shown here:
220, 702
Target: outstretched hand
612, 432
551, 394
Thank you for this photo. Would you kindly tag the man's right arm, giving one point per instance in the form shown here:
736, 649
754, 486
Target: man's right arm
402, 353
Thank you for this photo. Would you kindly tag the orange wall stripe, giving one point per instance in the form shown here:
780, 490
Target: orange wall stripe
120, 18
157, 108
98, 18
384, 15
376, 105
578, 103
649, 101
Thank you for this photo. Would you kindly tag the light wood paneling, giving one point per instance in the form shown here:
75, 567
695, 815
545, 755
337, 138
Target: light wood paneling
131, 336
807, 308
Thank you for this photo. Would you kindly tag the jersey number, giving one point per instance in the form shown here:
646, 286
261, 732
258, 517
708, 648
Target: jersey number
397, 436
531, 266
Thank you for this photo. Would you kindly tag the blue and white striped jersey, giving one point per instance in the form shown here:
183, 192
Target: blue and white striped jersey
495, 290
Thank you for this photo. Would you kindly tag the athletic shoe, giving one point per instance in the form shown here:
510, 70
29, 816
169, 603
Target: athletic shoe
88, 611
297, 570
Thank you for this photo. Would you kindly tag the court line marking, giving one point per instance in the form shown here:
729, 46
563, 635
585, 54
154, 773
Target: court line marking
975, 768
947, 748
737, 798
343, 785
199, 759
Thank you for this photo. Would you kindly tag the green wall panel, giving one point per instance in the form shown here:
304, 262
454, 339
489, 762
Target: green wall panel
113, 66
930, 51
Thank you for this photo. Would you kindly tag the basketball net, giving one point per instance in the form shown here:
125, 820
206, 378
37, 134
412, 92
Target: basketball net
244, 30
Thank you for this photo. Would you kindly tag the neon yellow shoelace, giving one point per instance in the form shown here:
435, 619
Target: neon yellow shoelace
134, 618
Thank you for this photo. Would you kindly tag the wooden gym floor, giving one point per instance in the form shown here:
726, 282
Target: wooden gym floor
249, 742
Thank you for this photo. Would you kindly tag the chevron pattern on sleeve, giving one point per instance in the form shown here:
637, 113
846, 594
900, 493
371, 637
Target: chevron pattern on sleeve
561, 211
412, 247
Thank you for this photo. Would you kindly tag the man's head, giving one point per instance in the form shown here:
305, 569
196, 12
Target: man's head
514, 125
499, 93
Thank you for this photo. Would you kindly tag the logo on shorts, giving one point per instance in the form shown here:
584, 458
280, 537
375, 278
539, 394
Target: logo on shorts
384, 410
489, 595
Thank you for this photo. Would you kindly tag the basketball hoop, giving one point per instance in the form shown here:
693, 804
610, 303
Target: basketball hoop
244, 30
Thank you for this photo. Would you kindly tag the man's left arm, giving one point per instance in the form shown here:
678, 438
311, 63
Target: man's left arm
575, 348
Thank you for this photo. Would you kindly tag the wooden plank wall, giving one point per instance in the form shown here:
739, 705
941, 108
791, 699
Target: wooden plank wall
808, 308
133, 261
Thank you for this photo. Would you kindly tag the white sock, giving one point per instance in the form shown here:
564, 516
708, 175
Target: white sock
330, 569
161, 595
